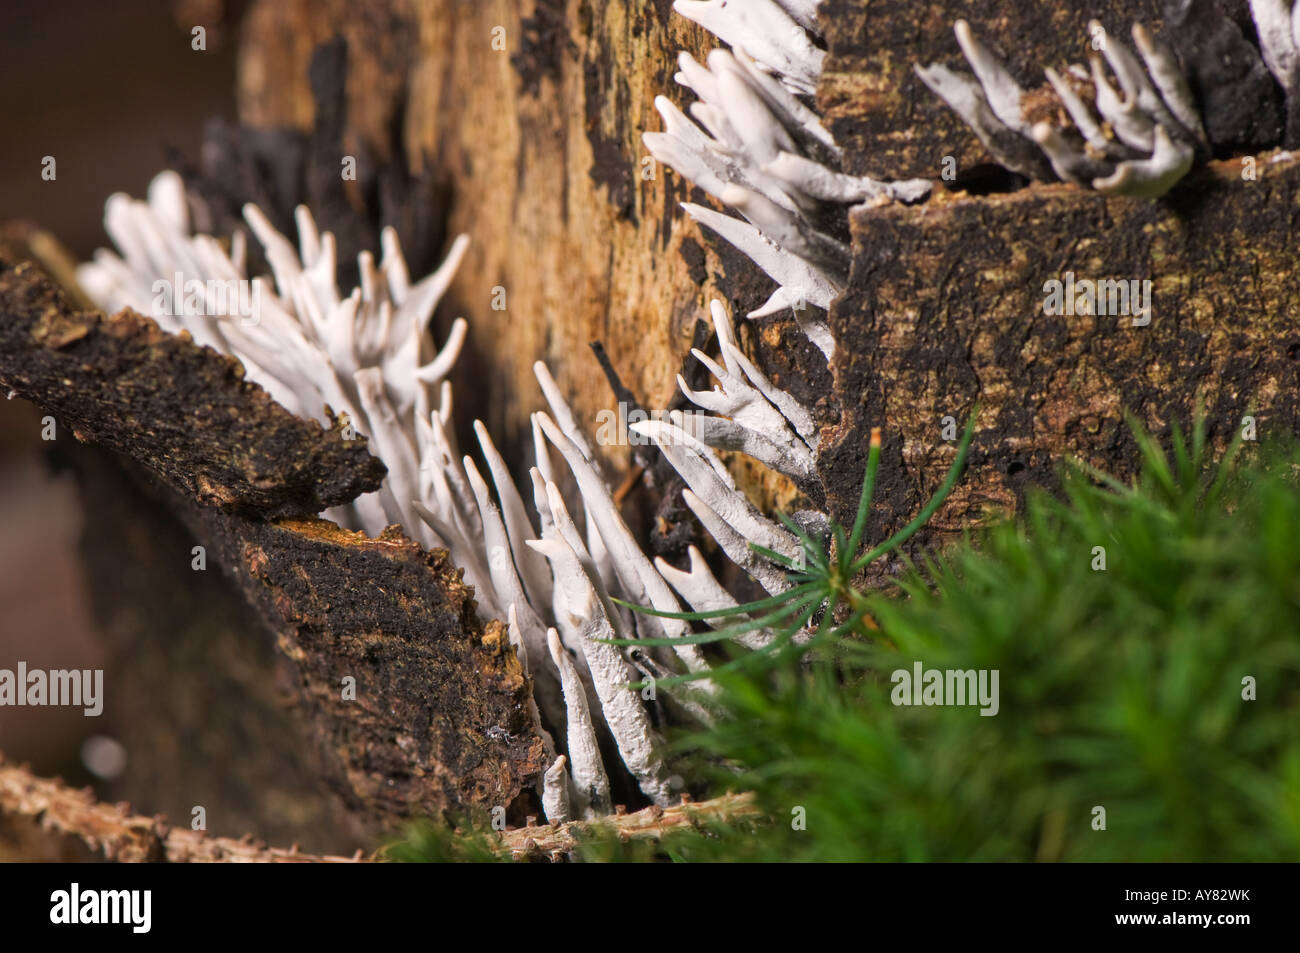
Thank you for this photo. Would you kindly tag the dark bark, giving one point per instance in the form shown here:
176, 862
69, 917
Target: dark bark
441, 718
205, 707
891, 126
946, 308
181, 410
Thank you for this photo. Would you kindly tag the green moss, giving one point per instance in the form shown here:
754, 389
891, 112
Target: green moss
1120, 689
1164, 689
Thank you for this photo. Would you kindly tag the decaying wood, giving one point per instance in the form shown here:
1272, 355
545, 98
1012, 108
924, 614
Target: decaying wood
419, 705
946, 308
284, 166
183, 411
207, 710
919, 316
891, 126
888, 123
572, 243
112, 831
577, 234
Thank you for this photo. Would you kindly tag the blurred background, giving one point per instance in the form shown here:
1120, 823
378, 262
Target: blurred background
107, 89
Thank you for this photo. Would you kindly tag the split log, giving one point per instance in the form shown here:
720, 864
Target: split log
423, 708
419, 706
182, 410
946, 307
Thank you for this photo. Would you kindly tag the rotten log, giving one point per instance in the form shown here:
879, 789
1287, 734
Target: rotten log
423, 707
419, 706
182, 410
945, 299
946, 307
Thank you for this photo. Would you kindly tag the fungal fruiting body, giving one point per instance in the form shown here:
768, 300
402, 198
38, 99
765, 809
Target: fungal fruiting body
762, 151
555, 567
1143, 140
366, 357
1136, 126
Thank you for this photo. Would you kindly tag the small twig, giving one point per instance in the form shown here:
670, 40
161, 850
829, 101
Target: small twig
629, 483
131, 838
650, 823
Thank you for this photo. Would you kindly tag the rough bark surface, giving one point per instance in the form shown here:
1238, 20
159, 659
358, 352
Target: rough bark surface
195, 691
183, 411
442, 716
946, 307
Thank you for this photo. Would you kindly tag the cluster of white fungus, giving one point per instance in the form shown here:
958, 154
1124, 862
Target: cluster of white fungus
760, 150
364, 356
367, 355
1141, 141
